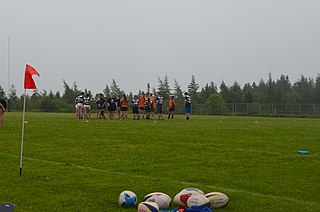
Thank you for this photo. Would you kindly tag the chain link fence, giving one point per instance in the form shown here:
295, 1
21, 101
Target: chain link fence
251, 109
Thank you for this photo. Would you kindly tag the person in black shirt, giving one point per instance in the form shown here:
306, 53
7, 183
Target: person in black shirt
159, 101
119, 106
147, 105
187, 105
135, 107
86, 106
112, 105
101, 104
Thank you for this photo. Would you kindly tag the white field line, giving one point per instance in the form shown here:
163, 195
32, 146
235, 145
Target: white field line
287, 199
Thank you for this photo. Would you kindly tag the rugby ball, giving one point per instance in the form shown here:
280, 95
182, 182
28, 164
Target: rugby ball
162, 199
217, 199
198, 200
182, 197
195, 190
127, 199
148, 207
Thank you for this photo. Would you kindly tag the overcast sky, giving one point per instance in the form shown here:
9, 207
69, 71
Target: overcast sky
135, 41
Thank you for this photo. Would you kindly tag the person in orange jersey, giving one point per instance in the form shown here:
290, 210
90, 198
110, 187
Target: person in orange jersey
152, 105
142, 101
124, 107
171, 107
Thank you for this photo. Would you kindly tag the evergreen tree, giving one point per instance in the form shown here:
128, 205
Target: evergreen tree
115, 89
247, 93
58, 95
236, 93
177, 91
70, 94
207, 91
164, 87
270, 97
51, 96
193, 88
15, 102
2, 93
305, 90
106, 90
317, 89
283, 88
225, 92
259, 94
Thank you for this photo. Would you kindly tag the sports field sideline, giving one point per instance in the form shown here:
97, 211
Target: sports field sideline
77, 166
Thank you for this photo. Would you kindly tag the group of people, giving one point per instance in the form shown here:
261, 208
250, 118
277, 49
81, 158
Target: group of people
144, 106
82, 105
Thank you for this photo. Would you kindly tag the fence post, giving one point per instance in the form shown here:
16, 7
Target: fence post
259, 109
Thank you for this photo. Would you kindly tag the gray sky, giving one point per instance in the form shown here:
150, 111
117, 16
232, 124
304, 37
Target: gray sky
135, 41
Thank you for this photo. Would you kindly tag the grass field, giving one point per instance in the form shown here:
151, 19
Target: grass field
70, 165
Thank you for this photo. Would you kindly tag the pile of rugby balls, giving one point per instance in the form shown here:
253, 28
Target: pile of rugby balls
187, 197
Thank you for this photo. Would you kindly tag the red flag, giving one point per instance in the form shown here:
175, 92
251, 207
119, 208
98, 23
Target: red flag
28, 81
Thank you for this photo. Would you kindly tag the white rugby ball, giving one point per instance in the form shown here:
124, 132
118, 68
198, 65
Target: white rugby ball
163, 200
182, 197
217, 199
198, 200
148, 207
195, 190
127, 199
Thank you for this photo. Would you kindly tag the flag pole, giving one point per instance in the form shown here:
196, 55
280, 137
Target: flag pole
22, 137
9, 105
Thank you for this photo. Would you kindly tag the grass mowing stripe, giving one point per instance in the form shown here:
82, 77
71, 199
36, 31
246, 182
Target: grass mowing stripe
311, 203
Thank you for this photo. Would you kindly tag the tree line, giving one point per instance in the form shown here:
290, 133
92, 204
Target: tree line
282, 90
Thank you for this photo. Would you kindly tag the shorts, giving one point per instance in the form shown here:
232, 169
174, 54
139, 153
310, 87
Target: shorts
172, 109
187, 110
87, 107
152, 110
147, 109
124, 109
111, 108
159, 109
135, 110
80, 105
141, 108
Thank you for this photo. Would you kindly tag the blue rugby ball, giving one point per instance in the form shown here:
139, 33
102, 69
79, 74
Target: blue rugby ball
303, 152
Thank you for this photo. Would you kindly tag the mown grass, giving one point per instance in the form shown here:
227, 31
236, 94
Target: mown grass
70, 165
